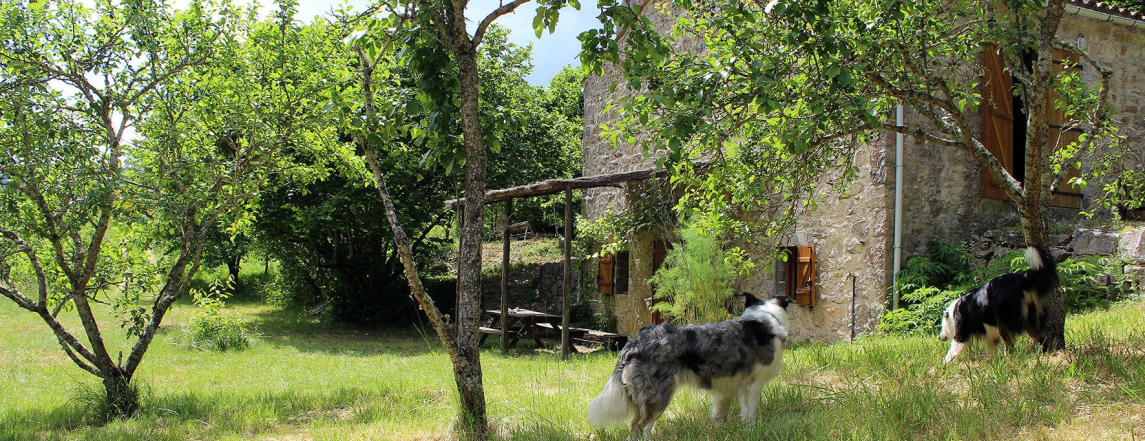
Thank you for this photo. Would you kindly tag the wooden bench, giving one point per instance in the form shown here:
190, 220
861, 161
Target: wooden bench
610, 341
590, 337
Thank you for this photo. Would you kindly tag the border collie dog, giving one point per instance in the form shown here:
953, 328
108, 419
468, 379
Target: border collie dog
733, 358
1008, 305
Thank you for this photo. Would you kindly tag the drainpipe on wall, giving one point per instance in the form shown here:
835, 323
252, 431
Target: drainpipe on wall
1096, 15
898, 209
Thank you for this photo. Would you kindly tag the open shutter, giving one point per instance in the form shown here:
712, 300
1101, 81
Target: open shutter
604, 274
801, 275
1067, 195
999, 117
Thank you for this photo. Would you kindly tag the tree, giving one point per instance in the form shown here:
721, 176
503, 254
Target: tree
435, 41
781, 93
95, 209
74, 81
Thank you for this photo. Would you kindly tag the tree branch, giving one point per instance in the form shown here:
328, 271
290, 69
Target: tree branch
41, 278
479, 34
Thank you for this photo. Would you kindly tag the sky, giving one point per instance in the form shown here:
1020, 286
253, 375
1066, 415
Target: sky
551, 52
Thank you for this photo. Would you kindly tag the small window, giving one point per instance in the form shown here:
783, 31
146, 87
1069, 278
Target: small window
798, 275
620, 272
612, 273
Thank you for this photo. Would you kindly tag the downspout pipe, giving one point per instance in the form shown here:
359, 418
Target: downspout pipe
898, 209
1104, 16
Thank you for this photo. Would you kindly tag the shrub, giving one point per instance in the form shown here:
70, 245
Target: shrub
210, 329
1080, 286
696, 280
928, 283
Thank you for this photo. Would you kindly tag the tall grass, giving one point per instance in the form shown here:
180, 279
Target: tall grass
306, 380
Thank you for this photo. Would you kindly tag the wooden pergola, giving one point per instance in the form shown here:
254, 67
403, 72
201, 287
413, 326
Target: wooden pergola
542, 188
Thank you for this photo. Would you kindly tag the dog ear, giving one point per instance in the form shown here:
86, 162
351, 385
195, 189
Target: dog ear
783, 301
749, 300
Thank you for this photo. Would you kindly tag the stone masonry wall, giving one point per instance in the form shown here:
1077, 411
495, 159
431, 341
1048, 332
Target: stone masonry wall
944, 186
852, 237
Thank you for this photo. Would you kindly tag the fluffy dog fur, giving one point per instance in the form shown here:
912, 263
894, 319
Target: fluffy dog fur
731, 358
1008, 305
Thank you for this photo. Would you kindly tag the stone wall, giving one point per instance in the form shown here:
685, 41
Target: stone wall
852, 237
944, 186
1127, 247
1131, 249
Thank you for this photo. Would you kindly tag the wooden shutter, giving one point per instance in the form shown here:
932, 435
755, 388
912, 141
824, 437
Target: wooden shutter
999, 117
604, 274
801, 275
1068, 195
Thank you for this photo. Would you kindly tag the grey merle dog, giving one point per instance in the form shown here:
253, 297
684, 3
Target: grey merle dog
1007, 305
733, 358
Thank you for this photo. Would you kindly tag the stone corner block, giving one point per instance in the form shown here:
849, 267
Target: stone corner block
1094, 242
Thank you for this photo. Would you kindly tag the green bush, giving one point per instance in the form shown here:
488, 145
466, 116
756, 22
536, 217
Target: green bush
210, 329
928, 283
696, 281
1080, 286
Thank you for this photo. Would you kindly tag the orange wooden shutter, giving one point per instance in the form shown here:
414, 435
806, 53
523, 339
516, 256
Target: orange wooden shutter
801, 275
999, 117
1068, 195
604, 274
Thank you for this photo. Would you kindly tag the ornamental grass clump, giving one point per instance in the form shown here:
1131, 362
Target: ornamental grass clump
696, 280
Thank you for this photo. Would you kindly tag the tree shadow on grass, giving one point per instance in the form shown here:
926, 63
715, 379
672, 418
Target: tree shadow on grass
210, 416
306, 333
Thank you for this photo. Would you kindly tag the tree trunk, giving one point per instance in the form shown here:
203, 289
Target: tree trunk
1039, 175
1051, 336
462, 345
468, 373
233, 267
122, 399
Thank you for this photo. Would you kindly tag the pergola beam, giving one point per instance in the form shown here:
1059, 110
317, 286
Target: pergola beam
554, 186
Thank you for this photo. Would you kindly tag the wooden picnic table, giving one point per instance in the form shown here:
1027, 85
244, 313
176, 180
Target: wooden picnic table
521, 323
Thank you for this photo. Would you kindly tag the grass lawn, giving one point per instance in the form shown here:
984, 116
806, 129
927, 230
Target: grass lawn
302, 380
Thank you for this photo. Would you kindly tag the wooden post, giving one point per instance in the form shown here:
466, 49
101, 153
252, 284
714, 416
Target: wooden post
565, 343
505, 280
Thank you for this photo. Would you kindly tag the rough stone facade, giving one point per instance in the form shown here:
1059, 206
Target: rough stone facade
945, 186
853, 233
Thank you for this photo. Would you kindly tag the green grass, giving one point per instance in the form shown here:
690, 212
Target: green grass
304, 380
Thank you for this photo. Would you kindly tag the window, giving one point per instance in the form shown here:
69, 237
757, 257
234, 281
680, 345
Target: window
1005, 127
797, 275
620, 281
612, 273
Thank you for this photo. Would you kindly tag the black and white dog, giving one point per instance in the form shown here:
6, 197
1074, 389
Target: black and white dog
1008, 305
733, 358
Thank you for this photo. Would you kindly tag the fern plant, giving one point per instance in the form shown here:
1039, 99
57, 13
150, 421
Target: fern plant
696, 280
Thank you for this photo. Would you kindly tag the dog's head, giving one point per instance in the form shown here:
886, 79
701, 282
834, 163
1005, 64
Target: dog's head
948, 318
776, 307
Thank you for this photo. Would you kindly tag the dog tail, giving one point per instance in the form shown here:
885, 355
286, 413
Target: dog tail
1043, 269
611, 406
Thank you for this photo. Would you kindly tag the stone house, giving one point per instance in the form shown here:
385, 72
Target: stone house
845, 252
